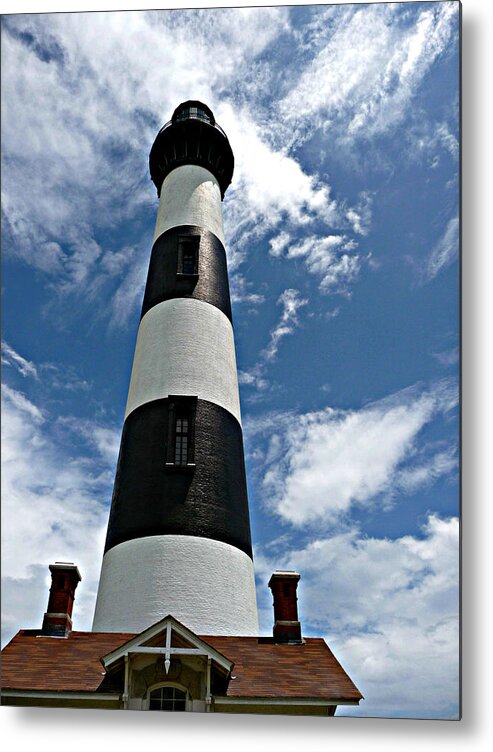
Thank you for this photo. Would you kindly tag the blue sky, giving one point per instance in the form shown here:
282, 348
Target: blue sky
342, 234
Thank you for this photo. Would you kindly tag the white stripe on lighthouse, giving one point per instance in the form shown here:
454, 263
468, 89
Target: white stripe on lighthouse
206, 584
186, 347
190, 195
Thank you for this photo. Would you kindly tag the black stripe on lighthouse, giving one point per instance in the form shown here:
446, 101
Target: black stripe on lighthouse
154, 496
169, 277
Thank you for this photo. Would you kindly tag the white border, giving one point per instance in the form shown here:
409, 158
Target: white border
37, 729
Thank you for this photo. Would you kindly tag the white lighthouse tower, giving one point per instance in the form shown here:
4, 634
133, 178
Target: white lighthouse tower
178, 539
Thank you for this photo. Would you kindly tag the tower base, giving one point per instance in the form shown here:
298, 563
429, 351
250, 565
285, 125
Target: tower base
207, 585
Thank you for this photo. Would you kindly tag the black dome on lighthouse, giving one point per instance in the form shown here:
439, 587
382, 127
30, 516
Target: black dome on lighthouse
192, 136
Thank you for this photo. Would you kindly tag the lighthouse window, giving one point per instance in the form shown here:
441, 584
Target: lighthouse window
181, 440
167, 698
188, 255
196, 113
181, 429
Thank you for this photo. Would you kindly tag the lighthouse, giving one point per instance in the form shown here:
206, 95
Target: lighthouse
178, 539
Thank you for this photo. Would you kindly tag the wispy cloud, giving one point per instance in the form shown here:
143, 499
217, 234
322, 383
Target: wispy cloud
362, 81
129, 293
445, 251
270, 186
447, 357
360, 215
241, 291
254, 377
22, 405
291, 302
389, 609
83, 119
105, 440
49, 376
63, 378
328, 461
431, 141
11, 358
331, 258
439, 464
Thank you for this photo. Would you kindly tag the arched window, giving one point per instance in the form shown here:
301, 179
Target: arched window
167, 698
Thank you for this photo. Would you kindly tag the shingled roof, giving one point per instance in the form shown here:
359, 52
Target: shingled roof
262, 669
59, 664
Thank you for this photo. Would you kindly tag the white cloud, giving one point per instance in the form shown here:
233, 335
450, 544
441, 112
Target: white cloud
279, 243
431, 141
331, 258
11, 358
266, 423
127, 297
64, 378
105, 440
241, 293
255, 377
360, 215
389, 609
269, 185
53, 508
440, 464
22, 404
362, 81
444, 252
447, 140
24, 599
82, 101
330, 460
448, 357
291, 303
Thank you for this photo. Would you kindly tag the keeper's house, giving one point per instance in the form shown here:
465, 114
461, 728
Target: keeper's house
169, 667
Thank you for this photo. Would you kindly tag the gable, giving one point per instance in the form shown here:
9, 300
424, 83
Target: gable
167, 638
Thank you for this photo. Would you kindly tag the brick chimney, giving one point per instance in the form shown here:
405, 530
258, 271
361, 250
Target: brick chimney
57, 621
287, 628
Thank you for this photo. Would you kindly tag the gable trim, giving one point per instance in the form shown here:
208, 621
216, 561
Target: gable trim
168, 624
